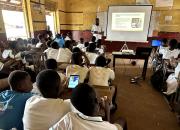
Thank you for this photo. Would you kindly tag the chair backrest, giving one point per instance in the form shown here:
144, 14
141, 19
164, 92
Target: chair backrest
102, 91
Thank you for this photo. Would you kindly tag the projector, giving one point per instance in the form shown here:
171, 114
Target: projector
131, 52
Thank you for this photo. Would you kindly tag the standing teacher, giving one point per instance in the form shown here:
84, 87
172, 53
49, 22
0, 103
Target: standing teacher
97, 30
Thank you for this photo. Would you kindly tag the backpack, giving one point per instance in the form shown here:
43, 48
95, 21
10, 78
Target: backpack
158, 78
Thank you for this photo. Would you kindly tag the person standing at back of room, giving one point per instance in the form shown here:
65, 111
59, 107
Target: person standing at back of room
97, 30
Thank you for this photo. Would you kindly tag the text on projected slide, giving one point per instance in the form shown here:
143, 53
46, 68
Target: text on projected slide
128, 21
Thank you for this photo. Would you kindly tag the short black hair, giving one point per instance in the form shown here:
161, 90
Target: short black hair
93, 39
75, 58
178, 46
98, 44
84, 99
86, 44
48, 43
173, 43
16, 77
51, 64
58, 35
48, 83
54, 45
91, 47
76, 49
100, 61
13, 44
40, 36
67, 44
34, 41
164, 40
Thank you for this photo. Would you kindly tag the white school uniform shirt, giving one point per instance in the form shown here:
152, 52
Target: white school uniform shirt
162, 49
39, 44
168, 54
92, 57
67, 38
52, 53
97, 29
41, 113
6, 53
80, 46
77, 70
100, 76
64, 55
1, 66
172, 83
74, 121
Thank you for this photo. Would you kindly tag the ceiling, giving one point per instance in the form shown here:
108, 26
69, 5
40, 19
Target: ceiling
11, 4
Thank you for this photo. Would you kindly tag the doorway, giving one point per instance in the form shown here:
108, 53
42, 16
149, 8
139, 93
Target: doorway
50, 22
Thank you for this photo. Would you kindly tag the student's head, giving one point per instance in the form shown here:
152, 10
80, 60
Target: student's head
84, 100
76, 49
40, 37
51, 64
172, 44
98, 43
81, 40
13, 45
97, 21
164, 42
178, 46
20, 81
76, 58
100, 61
86, 44
54, 45
93, 39
58, 35
91, 47
48, 83
48, 43
68, 44
34, 41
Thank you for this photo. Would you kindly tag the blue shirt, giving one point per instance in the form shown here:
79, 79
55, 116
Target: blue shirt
12, 109
60, 42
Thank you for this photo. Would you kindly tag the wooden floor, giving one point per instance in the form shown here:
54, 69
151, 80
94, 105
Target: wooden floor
142, 106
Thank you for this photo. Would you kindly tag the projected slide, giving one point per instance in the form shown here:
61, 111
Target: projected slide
128, 21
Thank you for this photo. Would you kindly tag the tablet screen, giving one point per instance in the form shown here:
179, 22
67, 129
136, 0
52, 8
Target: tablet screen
73, 81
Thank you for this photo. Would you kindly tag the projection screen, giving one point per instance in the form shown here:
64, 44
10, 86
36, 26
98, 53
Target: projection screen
128, 23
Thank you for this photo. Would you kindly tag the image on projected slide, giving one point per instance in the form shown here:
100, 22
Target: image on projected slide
128, 21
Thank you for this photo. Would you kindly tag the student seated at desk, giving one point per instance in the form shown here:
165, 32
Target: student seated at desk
164, 46
77, 67
12, 102
42, 112
53, 51
41, 42
172, 81
101, 75
64, 54
172, 52
80, 44
91, 53
84, 99
48, 44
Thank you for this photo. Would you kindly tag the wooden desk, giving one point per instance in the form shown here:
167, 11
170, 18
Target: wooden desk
125, 56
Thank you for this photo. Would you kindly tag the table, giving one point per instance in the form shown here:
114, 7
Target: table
132, 56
